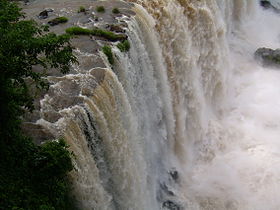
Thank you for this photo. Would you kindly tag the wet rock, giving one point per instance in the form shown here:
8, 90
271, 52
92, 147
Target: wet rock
116, 28
267, 5
43, 15
268, 57
171, 205
51, 116
37, 132
174, 175
99, 74
49, 10
57, 21
165, 188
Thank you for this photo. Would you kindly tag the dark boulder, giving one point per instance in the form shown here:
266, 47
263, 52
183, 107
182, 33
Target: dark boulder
267, 5
43, 15
268, 57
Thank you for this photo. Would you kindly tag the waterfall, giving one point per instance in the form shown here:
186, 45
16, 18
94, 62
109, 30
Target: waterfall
187, 119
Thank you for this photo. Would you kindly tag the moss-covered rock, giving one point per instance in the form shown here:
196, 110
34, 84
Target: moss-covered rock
268, 57
100, 9
57, 21
115, 11
82, 9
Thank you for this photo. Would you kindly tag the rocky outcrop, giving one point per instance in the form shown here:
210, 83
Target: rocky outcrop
268, 57
67, 91
43, 15
267, 5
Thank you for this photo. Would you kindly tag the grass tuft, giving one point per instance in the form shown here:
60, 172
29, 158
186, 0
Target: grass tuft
124, 46
107, 50
82, 9
115, 11
75, 30
96, 32
100, 9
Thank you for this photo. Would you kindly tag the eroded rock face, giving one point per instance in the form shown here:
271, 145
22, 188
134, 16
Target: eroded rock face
38, 132
268, 57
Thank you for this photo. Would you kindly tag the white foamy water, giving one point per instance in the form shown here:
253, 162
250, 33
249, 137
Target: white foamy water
241, 171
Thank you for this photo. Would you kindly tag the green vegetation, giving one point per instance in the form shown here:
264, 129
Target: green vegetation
115, 11
107, 50
75, 30
96, 32
109, 35
100, 9
31, 177
82, 9
58, 20
124, 46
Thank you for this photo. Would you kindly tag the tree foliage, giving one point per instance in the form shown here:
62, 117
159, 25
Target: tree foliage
31, 176
23, 45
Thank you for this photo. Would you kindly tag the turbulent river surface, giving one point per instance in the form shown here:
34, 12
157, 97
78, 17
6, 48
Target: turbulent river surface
187, 119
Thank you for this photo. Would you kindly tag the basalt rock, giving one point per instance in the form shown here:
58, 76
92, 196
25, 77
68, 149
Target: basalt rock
267, 5
174, 175
116, 28
43, 15
268, 57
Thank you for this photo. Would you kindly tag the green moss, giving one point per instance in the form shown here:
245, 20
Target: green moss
115, 11
100, 9
108, 35
124, 46
107, 50
78, 31
62, 19
96, 32
82, 9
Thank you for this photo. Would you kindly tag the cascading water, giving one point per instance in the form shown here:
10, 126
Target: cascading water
186, 120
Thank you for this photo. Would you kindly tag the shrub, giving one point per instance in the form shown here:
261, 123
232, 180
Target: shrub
124, 46
58, 20
100, 9
116, 11
107, 50
82, 9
